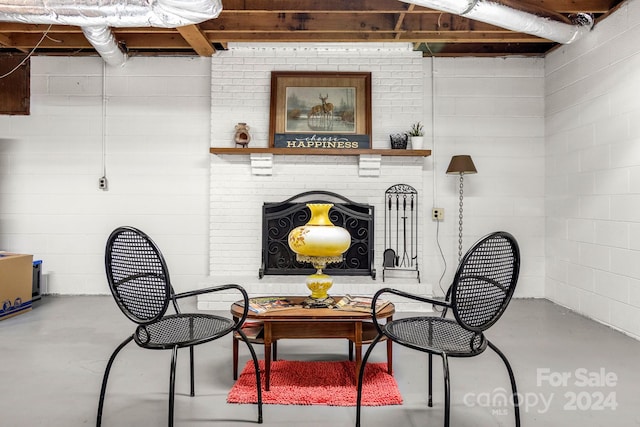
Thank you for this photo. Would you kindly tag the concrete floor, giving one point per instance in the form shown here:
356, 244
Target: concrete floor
571, 371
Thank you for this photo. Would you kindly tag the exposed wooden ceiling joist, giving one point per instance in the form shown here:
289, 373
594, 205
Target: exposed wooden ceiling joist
197, 40
351, 21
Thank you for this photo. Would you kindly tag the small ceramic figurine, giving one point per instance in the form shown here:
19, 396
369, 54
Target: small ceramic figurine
242, 136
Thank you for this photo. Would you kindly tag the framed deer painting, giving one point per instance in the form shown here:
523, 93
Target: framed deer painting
320, 110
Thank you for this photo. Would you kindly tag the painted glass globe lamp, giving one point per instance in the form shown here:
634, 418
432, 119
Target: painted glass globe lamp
319, 242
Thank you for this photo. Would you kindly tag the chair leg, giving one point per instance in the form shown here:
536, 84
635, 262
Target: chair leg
235, 357
430, 398
103, 389
257, 368
192, 372
447, 393
361, 377
172, 384
516, 402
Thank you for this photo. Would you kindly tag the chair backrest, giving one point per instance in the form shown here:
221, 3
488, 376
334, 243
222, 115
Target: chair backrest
485, 281
138, 275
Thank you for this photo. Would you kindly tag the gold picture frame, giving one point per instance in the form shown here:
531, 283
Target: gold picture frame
320, 110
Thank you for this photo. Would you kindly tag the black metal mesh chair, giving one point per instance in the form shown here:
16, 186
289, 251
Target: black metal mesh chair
140, 283
481, 290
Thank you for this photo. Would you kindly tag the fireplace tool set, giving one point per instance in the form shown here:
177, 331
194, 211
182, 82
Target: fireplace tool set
401, 230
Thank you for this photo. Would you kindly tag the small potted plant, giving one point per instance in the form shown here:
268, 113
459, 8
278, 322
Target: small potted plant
417, 136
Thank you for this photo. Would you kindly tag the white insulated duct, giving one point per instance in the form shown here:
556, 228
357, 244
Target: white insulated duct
504, 16
104, 42
96, 16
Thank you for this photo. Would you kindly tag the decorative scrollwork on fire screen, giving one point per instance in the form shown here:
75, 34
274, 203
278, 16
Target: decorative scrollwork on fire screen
279, 218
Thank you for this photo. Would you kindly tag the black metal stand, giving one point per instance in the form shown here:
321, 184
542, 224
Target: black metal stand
401, 230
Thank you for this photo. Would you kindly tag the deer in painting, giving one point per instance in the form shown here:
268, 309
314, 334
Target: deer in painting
325, 109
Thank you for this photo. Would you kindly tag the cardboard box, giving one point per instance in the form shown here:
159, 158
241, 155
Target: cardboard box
16, 282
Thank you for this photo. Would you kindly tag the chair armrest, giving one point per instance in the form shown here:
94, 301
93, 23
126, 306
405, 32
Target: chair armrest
240, 289
410, 296
402, 294
209, 290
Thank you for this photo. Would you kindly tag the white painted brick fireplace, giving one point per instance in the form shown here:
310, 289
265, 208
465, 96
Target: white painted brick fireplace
240, 92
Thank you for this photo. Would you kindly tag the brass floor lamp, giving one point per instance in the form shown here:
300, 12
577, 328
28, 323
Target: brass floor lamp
461, 165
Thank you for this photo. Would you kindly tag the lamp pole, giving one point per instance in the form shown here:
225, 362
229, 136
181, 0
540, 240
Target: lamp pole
461, 165
460, 218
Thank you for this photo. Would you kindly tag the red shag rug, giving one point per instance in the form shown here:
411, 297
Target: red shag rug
317, 383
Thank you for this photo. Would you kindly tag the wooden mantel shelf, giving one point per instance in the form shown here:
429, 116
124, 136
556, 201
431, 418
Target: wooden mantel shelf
319, 152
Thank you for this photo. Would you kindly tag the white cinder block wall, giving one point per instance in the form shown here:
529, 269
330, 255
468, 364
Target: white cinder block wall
491, 109
593, 172
156, 150
160, 122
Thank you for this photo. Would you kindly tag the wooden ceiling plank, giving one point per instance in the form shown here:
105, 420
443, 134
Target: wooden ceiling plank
574, 6
400, 20
394, 6
451, 37
301, 21
337, 6
5, 41
197, 40
352, 21
61, 41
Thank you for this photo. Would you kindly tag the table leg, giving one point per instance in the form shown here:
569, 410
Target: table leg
267, 355
389, 351
358, 345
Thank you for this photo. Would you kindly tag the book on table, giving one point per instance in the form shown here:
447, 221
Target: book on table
264, 304
363, 304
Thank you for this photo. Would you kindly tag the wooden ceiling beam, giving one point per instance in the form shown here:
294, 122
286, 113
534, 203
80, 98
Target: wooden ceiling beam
197, 40
352, 21
301, 22
450, 37
573, 6
61, 41
336, 6
400, 20
5, 41
394, 6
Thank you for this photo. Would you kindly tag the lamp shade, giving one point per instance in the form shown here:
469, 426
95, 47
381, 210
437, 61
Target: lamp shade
461, 164
319, 237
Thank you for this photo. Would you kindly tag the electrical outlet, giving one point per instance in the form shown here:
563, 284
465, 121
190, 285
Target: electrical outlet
102, 183
437, 214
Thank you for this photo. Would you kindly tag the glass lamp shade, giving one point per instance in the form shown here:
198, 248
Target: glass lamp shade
319, 237
319, 242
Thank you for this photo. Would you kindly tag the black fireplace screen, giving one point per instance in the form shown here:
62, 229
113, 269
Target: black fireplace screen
278, 219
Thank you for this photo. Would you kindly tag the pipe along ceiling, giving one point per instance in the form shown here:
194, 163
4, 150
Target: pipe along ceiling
502, 14
96, 17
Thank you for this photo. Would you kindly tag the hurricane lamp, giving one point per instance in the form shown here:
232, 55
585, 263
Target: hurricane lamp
319, 242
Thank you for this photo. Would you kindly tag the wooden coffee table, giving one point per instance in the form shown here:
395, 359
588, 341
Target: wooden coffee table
306, 323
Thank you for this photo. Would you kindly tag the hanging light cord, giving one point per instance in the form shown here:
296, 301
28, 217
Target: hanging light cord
28, 55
